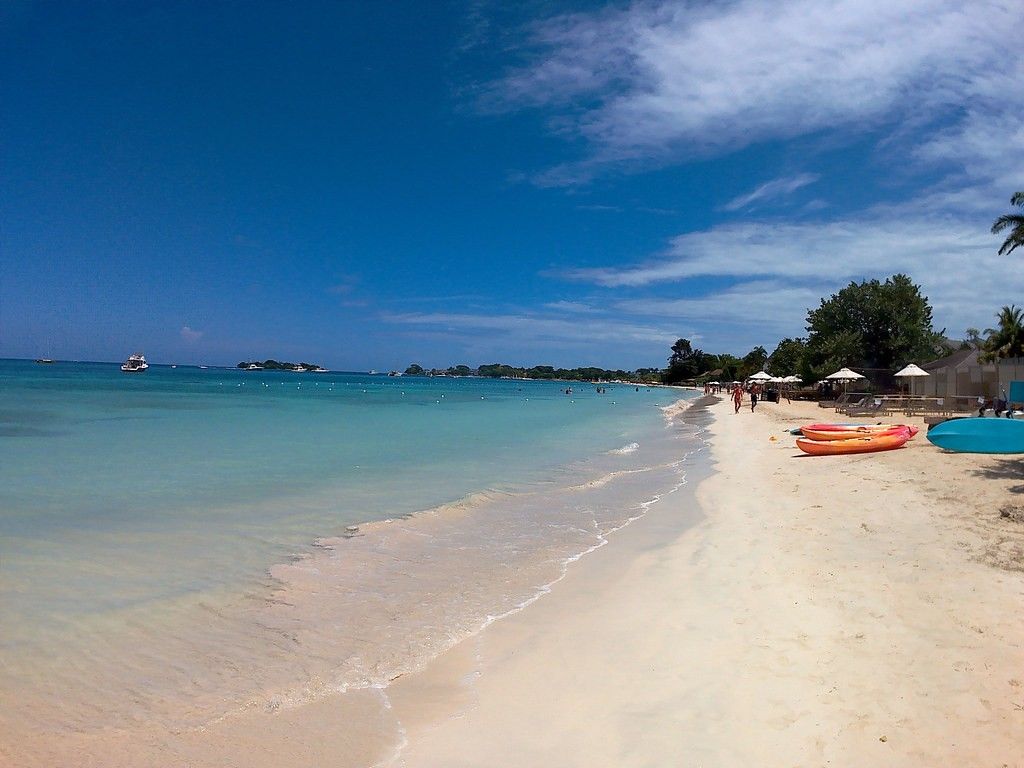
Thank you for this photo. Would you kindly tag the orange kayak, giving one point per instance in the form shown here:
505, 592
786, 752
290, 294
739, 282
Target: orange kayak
846, 432
863, 444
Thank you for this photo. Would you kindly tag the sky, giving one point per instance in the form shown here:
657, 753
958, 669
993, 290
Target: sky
365, 185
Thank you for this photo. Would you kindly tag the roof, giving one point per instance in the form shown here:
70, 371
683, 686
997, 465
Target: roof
958, 358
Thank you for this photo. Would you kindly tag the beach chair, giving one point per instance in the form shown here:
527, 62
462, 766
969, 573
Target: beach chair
867, 407
859, 404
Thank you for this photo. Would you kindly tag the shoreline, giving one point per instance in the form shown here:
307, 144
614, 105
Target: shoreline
821, 610
297, 611
791, 620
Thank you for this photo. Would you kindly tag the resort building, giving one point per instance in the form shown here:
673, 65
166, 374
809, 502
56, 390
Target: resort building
961, 374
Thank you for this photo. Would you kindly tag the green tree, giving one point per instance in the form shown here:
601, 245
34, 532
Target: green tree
1007, 340
752, 362
685, 362
1014, 222
788, 358
730, 365
414, 370
871, 325
974, 339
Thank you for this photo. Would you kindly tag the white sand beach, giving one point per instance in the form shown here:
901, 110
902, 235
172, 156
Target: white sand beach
843, 611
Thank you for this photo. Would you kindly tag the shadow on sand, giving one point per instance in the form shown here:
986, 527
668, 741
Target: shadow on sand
1004, 469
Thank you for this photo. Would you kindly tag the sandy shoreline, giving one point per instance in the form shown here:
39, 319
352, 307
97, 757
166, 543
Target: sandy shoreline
830, 610
824, 611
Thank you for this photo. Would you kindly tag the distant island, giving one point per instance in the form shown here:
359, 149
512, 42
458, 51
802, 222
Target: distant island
275, 365
502, 371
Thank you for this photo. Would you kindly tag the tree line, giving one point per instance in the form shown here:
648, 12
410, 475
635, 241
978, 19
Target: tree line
871, 325
500, 370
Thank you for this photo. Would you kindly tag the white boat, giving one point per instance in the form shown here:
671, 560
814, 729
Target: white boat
135, 364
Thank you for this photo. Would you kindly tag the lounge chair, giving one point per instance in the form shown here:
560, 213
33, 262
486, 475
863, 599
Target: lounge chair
872, 407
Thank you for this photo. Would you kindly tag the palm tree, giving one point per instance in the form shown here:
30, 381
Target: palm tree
1014, 222
1008, 339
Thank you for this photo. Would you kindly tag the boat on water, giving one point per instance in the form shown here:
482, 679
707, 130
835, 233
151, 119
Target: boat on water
883, 441
44, 361
135, 364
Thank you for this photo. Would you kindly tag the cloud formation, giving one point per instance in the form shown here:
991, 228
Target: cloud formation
190, 336
779, 270
772, 190
658, 79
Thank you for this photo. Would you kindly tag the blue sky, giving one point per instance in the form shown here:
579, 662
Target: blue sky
370, 184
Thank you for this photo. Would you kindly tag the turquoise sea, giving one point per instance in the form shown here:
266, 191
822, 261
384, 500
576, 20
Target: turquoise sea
151, 525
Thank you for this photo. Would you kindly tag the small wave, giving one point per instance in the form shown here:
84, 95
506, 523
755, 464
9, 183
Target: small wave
676, 409
631, 448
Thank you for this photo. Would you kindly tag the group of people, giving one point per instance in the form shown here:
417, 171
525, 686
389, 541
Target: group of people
753, 389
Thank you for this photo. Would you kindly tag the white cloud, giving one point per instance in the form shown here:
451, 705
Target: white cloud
660, 78
570, 306
827, 250
189, 335
527, 326
783, 269
771, 190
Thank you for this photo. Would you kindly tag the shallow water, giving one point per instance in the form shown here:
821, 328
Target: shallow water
174, 544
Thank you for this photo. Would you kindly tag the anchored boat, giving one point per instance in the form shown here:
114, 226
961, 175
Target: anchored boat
135, 364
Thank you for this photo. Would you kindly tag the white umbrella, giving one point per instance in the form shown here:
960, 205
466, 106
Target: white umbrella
793, 379
844, 374
762, 376
911, 370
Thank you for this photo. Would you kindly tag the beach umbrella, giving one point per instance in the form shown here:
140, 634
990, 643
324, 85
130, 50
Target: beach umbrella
844, 374
762, 376
911, 372
793, 379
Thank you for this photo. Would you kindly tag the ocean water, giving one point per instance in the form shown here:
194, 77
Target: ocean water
186, 543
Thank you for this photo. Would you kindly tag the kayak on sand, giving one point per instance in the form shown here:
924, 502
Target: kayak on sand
848, 432
885, 441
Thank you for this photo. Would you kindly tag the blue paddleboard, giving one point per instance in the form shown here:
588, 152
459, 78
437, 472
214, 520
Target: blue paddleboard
976, 435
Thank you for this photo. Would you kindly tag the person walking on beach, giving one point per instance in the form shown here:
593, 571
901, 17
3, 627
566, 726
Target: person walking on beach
753, 397
737, 397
